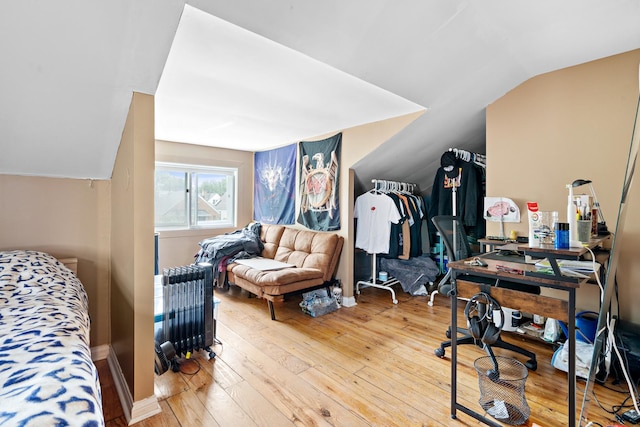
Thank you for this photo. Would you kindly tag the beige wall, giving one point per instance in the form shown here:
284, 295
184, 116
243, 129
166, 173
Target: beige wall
179, 247
66, 218
132, 243
356, 143
562, 126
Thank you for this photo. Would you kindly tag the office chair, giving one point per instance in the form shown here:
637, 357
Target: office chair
455, 240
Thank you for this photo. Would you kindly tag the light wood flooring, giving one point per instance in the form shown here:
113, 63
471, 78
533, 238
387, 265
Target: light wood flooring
368, 365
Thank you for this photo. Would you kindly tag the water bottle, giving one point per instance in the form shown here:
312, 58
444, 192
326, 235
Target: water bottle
515, 318
562, 235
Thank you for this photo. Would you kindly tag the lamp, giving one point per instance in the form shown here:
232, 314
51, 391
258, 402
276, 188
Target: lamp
602, 225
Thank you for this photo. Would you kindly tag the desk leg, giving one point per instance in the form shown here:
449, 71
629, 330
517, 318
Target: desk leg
454, 345
571, 340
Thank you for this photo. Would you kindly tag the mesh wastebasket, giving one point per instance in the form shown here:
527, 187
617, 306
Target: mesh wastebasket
502, 395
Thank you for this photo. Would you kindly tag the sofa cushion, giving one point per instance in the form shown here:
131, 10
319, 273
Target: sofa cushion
308, 250
271, 235
283, 276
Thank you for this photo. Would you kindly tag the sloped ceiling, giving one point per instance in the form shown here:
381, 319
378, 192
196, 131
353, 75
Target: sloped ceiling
69, 68
68, 72
225, 86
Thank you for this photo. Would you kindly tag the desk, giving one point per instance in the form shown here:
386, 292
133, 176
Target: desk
546, 306
492, 243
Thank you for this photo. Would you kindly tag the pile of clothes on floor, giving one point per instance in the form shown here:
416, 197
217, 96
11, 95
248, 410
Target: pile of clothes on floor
415, 274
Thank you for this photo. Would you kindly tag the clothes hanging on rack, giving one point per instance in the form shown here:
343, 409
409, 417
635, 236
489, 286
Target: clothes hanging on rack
415, 235
401, 234
468, 156
480, 162
375, 212
460, 175
405, 237
466, 178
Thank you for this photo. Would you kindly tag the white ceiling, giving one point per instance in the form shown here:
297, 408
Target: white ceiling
68, 71
284, 71
225, 86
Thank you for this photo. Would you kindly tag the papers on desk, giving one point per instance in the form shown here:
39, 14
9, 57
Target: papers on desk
570, 268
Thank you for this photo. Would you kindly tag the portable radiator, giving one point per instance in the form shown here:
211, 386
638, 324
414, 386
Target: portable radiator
187, 294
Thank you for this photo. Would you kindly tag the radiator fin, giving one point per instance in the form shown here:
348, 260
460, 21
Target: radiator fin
188, 307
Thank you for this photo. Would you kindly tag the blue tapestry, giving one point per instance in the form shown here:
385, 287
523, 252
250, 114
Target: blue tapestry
275, 186
319, 178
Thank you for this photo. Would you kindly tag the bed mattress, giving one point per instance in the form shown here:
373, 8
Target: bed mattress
47, 377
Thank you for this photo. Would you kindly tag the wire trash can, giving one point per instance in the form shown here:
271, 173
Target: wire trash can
502, 393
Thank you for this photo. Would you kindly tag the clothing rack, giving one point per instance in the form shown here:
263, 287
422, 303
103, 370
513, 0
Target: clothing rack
384, 186
468, 156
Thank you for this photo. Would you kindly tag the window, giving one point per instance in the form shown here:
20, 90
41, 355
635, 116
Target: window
190, 196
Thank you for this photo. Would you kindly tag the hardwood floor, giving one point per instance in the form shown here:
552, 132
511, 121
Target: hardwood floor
368, 365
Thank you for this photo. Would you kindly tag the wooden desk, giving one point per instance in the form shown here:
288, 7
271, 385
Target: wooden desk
492, 243
546, 306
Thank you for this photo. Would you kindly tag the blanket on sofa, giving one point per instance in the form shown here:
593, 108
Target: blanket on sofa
219, 250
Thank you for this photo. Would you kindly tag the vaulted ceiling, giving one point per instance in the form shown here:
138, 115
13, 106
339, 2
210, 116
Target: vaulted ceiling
256, 75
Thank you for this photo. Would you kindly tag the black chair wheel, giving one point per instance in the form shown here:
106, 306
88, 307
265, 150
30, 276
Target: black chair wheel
448, 333
531, 364
439, 352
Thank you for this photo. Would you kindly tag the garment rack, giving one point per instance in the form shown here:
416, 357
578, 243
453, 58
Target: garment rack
384, 186
467, 156
470, 157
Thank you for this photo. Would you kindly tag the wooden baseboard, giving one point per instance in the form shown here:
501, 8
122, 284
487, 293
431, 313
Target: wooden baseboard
349, 301
144, 408
100, 352
133, 411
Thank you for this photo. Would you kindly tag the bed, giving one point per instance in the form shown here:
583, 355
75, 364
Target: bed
47, 376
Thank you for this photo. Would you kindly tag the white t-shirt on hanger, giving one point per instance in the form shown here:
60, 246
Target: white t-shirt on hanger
375, 213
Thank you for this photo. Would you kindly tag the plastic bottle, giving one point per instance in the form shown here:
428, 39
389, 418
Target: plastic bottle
571, 215
562, 235
534, 223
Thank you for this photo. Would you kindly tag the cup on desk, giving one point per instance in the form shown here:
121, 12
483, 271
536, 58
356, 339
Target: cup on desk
546, 224
511, 319
584, 230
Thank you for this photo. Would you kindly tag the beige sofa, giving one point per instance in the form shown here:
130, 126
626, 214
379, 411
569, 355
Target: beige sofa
314, 254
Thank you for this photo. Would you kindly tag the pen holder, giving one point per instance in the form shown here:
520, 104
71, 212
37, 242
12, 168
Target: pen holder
545, 229
584, 230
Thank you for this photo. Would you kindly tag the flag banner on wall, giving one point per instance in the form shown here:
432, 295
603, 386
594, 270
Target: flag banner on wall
319, 178
275, 186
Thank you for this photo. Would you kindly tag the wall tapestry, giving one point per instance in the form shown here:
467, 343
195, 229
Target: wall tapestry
275, 186
319, 177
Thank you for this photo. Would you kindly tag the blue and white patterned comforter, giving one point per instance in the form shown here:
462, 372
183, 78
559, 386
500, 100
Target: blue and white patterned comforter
47, 377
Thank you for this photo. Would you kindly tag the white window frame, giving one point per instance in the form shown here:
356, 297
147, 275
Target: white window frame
188, 170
